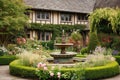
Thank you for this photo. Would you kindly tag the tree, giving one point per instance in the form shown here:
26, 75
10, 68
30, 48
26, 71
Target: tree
109, 16
94, 42
12, 19
76, 39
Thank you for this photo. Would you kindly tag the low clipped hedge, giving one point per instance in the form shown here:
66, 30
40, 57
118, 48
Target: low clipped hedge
108, 70
117, 59
93, 73
6, 59
18, 69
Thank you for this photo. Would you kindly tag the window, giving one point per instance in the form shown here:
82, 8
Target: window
43, 16
65, 17
82, 17
45, 36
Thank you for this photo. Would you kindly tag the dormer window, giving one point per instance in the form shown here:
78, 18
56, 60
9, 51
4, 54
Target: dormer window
43, 15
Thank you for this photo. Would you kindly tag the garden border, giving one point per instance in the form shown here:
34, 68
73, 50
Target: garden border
117, 59
109, 70
6, 59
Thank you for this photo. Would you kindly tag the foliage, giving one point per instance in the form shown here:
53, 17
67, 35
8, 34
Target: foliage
12, 19
76, 39
3, 51
45, 72
84, 50
105, 39
30, 59
17, 69
109, 70
42, 71
56, 29
48, 45
30, 45
109, 40
100, 57
93, 42
14, 49
115, 43
6, 59
117, 58
111, 16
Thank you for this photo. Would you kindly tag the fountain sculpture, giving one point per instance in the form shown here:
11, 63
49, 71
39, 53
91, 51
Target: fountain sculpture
63, 56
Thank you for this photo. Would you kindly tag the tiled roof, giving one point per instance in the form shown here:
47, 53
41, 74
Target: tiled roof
107, 3
78, 6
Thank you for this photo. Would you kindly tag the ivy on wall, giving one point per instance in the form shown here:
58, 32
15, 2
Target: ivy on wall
56, 29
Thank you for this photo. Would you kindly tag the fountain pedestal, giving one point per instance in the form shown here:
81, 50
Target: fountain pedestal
63, 56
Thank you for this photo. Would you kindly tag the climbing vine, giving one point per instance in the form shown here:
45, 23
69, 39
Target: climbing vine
56, 29
111, 16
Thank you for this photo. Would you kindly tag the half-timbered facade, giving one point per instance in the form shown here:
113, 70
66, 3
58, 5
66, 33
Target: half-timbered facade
68, 12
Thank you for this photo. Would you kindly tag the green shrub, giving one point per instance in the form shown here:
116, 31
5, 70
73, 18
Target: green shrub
6, 59
84, 50
108, 70
30, 59
18, 69
99, 57
117, 59
48, 45
93, 41
116, 43
3, 51
76, 39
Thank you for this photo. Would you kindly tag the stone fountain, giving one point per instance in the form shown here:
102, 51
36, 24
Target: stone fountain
63, 56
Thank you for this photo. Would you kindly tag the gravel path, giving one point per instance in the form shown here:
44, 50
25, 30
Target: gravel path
4, 75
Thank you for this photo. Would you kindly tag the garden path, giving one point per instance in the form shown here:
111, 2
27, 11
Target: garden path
4, 75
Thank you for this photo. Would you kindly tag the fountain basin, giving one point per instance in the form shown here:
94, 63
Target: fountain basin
59, 45
63, 58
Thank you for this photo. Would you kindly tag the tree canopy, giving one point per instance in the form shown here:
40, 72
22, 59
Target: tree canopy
111, 16
12, 16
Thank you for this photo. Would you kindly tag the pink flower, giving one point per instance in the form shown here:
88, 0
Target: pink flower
43, 65
23, 40
39, 65
59, 74
51, 74
45, 68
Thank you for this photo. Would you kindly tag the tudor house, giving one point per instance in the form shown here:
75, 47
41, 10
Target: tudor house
68, 12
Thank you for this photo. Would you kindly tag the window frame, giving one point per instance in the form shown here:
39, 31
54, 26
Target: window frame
42, 15
65, 17
82, 17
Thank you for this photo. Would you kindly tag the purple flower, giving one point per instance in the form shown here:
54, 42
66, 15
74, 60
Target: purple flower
115, 52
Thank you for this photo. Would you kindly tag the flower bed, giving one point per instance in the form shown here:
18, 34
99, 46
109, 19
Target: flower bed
108, 70
6, 59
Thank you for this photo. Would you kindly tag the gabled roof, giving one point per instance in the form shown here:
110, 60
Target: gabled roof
107, 3
78, 6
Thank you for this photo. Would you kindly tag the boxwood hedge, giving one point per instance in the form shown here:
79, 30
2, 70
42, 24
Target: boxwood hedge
6, 59
93, 73
117, 59
108, 70
18, 69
